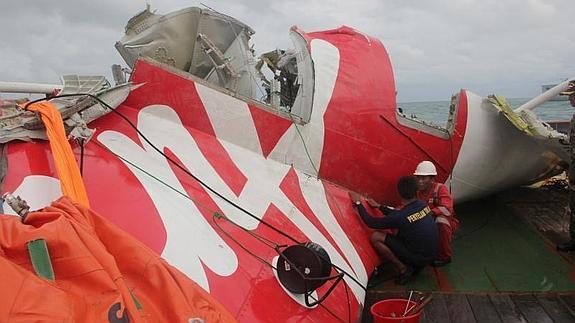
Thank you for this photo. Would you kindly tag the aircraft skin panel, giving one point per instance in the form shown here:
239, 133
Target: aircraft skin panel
268, 136
268, 165
195, 246
238, 125
366, 149
496, 155
303, 146
177, 221
163, 207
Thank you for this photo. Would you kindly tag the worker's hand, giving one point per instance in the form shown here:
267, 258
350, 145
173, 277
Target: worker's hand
354, 197
373, 203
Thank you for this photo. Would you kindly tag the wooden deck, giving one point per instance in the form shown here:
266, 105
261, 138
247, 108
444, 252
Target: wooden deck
511, 238
546, 210
488, 307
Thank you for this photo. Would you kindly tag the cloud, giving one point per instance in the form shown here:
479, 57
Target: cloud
436, 47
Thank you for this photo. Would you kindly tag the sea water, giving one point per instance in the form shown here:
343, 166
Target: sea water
436, 112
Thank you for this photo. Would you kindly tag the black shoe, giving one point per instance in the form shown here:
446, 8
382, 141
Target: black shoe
440, 263
380, 274
417, 270
402, 279
567, 246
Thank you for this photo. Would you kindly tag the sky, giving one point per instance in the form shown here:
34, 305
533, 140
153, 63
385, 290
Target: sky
507, 47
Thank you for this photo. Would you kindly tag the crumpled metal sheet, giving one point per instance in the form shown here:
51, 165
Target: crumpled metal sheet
77, 112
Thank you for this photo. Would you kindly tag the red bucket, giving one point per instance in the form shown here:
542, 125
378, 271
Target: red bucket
391, 310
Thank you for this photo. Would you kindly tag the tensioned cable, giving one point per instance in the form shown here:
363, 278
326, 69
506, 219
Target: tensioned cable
415, 143
334, 200
196, 178
216, 214
182, 168
305, 147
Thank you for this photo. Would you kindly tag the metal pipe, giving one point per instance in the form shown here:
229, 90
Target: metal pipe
545, 96
19, 87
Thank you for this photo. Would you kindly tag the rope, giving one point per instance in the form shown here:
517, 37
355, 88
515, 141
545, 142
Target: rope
132, 125
71, 181
81, 143
182, 168
305, 147
218, 215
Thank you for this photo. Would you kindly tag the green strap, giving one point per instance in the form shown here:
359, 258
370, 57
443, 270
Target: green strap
40, 257
138, 305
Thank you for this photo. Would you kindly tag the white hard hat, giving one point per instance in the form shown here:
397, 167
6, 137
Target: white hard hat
425, 168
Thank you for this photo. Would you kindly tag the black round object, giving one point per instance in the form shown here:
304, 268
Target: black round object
311, 260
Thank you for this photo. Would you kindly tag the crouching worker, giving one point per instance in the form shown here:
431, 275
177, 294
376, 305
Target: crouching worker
441, 203
415, 244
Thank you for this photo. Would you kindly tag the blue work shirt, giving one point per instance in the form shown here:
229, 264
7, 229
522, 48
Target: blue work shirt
415, 224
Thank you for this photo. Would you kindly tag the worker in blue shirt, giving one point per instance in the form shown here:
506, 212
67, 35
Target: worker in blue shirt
416, 242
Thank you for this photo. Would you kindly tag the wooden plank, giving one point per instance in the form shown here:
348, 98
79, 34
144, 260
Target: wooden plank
558, 312
569, 301
506, 309
436, 310
423, 318
483, 309
531, 309
459, 309
487, 307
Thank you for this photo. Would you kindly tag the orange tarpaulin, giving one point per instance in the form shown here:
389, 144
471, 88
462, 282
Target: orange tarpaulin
66, 263
101, 273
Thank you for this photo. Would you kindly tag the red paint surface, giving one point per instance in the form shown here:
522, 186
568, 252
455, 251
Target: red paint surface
366, 149
270, 128
362, 152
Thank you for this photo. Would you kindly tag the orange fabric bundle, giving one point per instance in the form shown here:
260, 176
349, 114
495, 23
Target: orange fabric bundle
70, 179
101, 273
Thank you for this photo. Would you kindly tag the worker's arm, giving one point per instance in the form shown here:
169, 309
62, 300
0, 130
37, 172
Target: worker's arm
389, 221
444, 206
383, 208
386, 209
